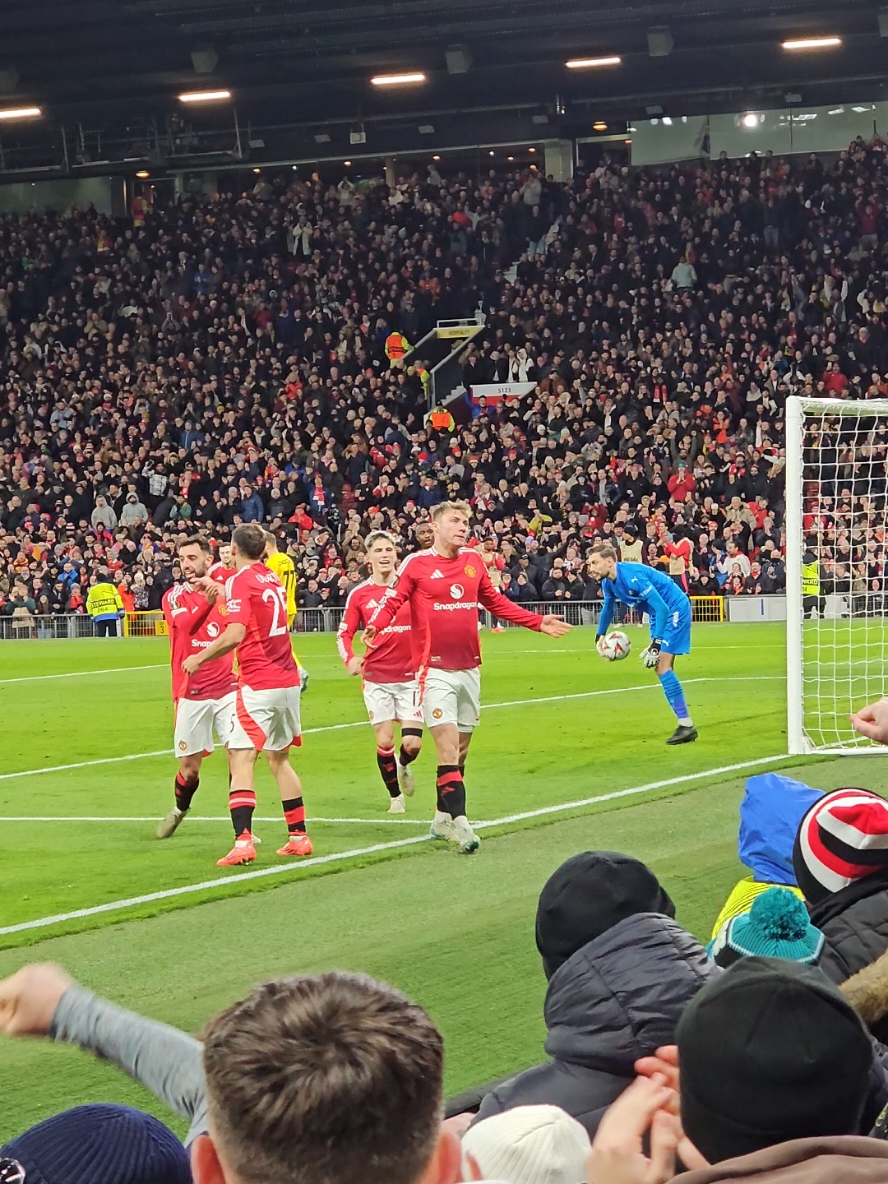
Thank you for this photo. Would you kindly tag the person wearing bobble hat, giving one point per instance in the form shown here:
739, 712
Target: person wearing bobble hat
771, 1075
840, 860
776, 926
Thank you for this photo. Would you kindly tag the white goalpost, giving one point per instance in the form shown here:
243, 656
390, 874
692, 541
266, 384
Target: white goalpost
836, 569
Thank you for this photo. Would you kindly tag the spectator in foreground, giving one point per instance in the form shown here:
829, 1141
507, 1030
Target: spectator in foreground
620, 973
841, 866
97, 1144
773, 1082
329, 1078
527, 1145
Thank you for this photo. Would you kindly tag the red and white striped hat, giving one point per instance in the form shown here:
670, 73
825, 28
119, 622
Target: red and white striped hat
842, 838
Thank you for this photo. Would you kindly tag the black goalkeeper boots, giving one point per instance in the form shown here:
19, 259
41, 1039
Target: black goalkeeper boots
683, 734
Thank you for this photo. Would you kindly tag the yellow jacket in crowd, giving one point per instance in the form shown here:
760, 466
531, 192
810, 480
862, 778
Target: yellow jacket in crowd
103, 601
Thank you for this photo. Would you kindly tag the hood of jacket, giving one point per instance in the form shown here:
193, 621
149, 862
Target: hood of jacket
620, 996
849, 1159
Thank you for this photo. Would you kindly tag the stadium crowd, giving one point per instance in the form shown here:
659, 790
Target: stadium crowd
755, 1058
225, 360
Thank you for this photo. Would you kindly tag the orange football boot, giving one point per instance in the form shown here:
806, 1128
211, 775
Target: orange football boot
298, 845
242, 852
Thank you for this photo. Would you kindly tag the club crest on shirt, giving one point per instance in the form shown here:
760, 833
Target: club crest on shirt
470, 571
456, 591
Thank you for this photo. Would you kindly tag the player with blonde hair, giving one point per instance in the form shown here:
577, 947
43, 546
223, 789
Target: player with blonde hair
445, 586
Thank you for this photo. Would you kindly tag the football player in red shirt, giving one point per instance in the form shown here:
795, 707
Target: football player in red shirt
205, 702
266, 715
445, 587
391, 692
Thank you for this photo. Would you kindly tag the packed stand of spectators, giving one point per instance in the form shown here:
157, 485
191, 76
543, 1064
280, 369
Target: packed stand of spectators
224, 360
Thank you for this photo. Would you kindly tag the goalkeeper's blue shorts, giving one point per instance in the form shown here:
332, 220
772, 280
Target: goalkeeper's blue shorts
677, 637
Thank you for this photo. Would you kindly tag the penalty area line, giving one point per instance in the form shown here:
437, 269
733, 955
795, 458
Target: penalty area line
649, 686
115, 906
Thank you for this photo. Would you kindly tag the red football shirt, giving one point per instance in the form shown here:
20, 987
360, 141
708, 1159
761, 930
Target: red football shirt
391, 657
219, 572
444, 596
194, 624
256, 598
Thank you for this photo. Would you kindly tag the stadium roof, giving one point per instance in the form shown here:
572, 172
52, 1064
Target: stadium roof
108, 72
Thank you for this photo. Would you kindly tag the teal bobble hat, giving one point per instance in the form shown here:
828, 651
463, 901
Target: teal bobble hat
776, 926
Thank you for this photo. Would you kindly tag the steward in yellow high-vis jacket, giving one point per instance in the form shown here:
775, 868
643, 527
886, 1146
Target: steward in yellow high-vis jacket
105, 608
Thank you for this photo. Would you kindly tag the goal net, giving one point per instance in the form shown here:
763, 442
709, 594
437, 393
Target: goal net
836, 568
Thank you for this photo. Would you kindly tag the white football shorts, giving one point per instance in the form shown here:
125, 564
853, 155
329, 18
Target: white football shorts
452, 697
197, 719
266, 719
387, 701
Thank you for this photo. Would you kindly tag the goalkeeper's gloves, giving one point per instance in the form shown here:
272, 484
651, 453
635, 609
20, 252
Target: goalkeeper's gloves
599, 645
651, 656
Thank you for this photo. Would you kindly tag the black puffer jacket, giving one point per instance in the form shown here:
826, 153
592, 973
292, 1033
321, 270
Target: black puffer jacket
854, 922
617, 999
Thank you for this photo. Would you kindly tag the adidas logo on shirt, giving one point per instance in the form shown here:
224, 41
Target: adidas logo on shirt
436, 575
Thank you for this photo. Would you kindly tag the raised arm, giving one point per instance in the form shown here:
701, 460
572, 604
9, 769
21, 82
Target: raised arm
43, 1000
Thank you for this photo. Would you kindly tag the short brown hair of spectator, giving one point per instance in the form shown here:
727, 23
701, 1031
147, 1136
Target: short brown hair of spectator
196, 540
324, 1078
442, 508
608, 550
249, 540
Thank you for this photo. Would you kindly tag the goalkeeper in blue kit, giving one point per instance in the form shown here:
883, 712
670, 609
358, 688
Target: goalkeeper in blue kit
669, 609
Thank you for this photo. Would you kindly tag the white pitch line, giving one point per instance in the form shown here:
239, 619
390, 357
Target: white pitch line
86, 673
651, 686
105, 760
338, 857
226, 819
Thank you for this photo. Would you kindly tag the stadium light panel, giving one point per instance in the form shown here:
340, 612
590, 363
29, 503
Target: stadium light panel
204, 96
591, 63
21, 113
398, 79
813, 43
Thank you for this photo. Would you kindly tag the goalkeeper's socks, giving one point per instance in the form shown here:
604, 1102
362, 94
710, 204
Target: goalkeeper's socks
451, 791
675, 697
241, 803
294, 816
385, 758
185, 791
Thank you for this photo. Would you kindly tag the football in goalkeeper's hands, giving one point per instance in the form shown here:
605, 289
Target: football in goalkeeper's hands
616, 646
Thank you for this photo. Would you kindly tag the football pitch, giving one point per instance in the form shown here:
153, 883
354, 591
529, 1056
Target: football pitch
570, 755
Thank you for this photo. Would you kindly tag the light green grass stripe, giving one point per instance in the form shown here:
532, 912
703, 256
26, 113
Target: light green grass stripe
338, 857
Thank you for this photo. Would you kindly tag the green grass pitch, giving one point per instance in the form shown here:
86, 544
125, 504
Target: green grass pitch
559, 727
